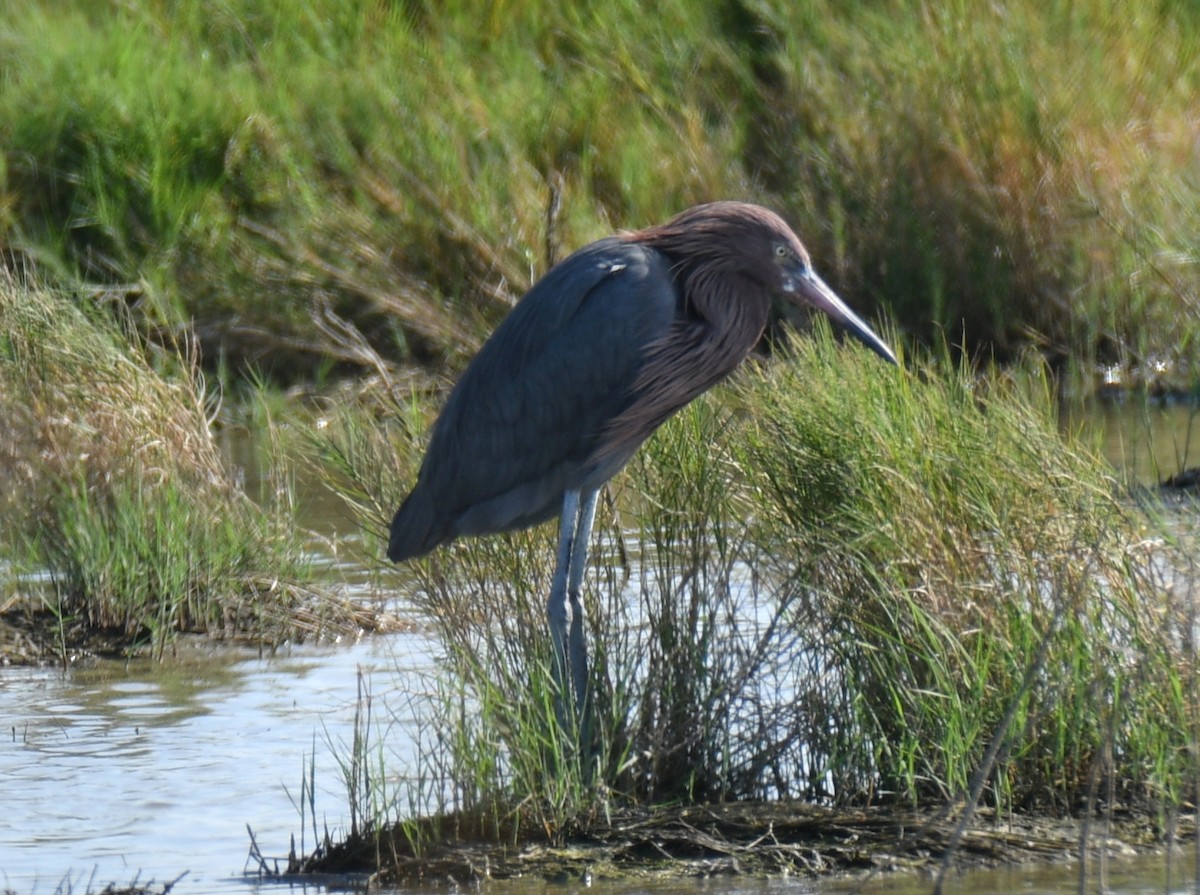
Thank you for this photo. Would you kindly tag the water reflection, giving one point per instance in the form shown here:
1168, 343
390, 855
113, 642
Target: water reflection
1144, 439
127, 769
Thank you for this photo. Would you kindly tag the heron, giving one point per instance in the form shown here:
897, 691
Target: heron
597, 355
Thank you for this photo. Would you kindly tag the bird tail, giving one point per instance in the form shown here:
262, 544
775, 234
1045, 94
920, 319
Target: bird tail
413, 531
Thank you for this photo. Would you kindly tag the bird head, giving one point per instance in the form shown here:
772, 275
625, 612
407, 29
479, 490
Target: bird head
801, 285
753, 243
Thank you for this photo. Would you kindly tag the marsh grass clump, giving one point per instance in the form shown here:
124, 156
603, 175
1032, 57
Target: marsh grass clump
994, 616
678, 637
115, 490
830, 581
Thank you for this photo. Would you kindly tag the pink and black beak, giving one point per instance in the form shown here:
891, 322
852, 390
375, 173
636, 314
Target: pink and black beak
803, 285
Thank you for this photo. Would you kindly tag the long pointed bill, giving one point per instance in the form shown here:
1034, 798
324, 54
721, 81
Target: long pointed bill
811, 289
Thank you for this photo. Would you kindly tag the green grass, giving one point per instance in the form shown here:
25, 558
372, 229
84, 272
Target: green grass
960, 547
831, 581
996, 173
264, 175
115, 490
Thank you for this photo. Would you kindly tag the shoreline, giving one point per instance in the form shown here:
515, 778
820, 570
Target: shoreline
751, 838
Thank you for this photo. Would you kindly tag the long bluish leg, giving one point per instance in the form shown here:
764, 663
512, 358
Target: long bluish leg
558, 608
578, 642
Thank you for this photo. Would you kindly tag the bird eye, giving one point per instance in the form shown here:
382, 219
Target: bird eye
780, 250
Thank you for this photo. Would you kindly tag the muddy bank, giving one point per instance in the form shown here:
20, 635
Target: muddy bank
785, 838
35, 637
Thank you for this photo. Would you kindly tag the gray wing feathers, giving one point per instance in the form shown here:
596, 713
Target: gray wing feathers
526, 416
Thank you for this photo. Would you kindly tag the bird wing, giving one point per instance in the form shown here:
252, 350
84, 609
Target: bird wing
523, 422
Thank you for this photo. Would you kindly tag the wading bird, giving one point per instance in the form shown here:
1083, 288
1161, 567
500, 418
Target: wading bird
603, 349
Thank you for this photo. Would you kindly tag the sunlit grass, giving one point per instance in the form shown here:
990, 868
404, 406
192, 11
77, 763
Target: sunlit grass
115, 491
978, 579
996, 172
264, 175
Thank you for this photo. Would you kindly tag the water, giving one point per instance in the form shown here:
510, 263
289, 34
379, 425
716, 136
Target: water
136, 770
133, 770
124, 771
1146, 440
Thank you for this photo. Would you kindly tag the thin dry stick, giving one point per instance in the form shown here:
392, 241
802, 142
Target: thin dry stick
1190, 640
979, 778
553, 208
1085, 831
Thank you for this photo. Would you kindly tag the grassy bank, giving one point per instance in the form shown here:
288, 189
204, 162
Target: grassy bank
331, 187
831, 582
123, 526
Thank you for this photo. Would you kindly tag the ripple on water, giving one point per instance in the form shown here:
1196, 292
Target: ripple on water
128, 769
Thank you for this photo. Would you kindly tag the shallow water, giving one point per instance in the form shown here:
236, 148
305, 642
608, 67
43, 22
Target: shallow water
1146, 440
136, 770
133, 770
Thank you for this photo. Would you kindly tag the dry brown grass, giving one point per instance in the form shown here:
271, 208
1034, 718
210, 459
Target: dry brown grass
114, 487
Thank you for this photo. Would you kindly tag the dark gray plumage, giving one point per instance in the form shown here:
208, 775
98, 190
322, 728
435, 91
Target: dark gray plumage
523, 424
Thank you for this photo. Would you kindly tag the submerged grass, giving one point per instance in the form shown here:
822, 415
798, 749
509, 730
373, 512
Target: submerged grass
329, 185
115, 491
831, 581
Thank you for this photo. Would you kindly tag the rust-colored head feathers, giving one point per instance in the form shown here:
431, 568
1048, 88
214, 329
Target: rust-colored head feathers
728, 259
730, 239
746, 252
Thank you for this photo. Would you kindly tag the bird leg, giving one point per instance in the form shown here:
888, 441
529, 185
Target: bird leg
566, 616
578, 639
558, 607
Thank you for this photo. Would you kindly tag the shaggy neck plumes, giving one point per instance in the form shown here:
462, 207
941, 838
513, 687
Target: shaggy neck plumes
724, 301
724, 298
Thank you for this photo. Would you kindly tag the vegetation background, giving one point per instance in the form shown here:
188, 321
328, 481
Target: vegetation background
289, 192
325, 186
